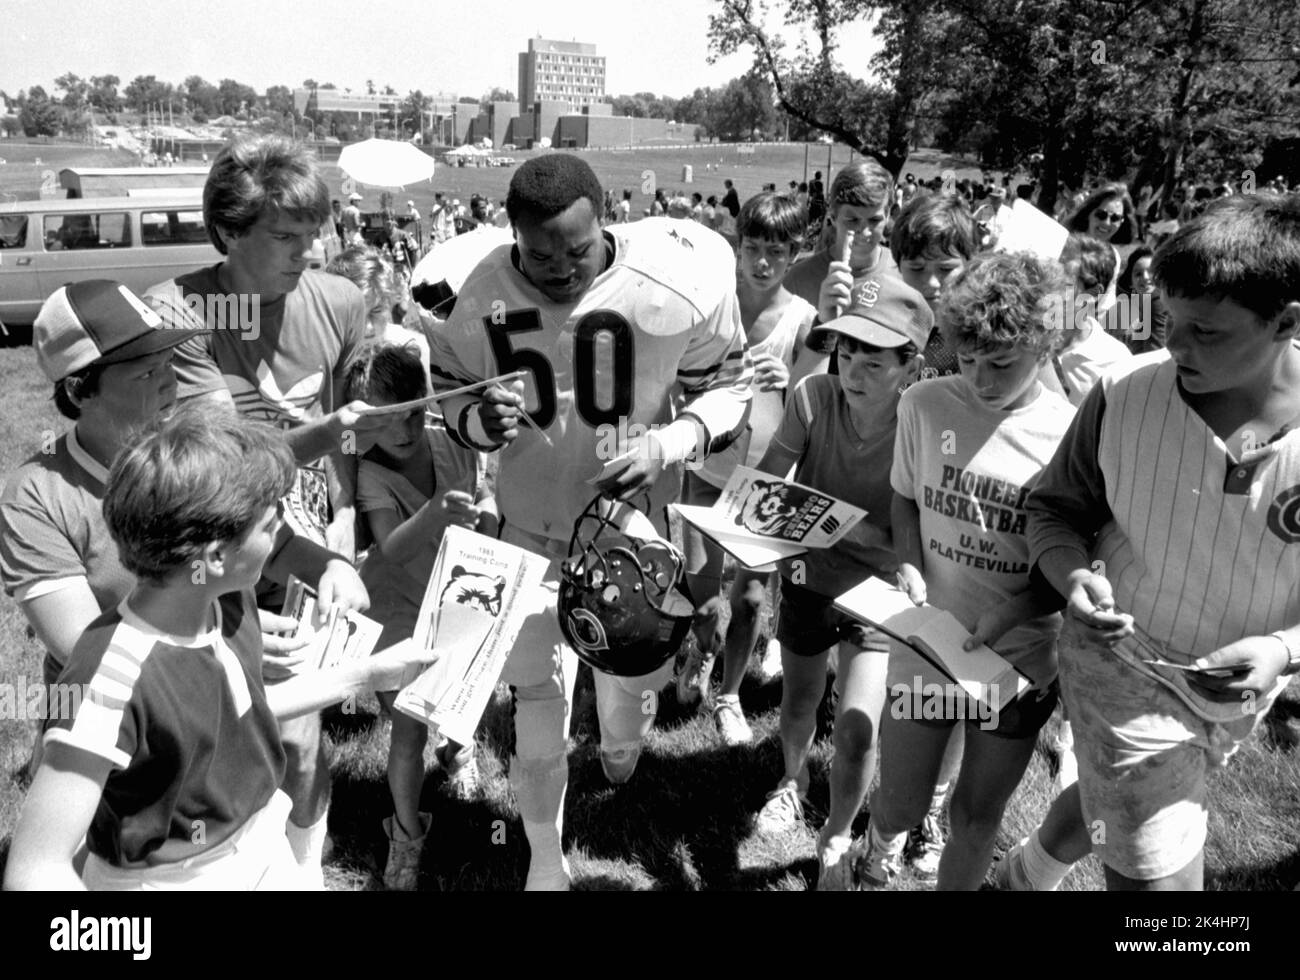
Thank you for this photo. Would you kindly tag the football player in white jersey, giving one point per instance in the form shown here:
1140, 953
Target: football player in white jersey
604, 324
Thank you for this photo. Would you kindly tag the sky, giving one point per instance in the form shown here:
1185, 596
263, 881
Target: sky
658, 46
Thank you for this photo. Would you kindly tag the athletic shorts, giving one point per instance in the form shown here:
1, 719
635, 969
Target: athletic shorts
810, 624
1143, 756
257, 857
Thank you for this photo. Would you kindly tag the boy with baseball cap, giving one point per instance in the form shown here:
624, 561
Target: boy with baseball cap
838, 433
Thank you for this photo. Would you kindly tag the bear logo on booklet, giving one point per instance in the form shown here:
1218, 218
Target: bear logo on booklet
1284, 515
474, 589
586, 630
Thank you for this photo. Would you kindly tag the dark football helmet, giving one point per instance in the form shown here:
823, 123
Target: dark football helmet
620, 604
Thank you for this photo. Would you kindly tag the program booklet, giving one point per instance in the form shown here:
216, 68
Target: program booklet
345, 638
936, 635
761, 519
470, 616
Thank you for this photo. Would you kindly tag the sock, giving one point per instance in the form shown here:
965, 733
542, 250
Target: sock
833, 847
1042, 871
936, 801
547, 854
728, 698
308, 846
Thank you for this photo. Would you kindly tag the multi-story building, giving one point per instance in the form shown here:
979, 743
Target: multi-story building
560, 71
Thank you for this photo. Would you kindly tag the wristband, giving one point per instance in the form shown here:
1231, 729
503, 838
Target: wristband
678, 441
469, 426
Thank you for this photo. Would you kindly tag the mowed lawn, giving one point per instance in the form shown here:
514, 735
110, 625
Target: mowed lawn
682, 823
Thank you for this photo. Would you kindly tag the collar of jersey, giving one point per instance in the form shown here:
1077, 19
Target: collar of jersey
210, 638
83, 459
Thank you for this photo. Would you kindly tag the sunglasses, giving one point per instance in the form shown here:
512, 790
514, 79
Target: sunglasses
1108, 217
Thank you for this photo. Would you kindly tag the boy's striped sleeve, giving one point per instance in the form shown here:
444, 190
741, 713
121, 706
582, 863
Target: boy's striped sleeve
1068, 505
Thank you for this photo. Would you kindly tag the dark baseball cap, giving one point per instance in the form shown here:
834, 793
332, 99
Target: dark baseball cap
98, 321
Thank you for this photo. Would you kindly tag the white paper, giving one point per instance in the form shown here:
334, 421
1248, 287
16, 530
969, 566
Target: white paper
344, 638
470, 617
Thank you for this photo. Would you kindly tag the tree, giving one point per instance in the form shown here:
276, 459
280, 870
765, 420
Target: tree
146, 93
234, 97
279, 100
38, 115
203, 99
495, 94
410, 112
743, 110
103, 93
810, 85
75, 89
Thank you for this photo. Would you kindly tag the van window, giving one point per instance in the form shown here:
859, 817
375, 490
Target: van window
13, 230
173, 228
65, 232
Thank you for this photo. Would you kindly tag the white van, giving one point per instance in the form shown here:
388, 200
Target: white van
139, 241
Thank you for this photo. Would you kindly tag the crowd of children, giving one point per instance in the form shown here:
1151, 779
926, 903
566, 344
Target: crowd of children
1122, 529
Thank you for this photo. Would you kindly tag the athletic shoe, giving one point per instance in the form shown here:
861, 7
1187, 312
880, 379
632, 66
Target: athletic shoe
730, 719
769, 668
693, 679
619, 764
877, 866
924, 847
402, 869
556, 880
1009, 875
782, 812
462, 770
835, 861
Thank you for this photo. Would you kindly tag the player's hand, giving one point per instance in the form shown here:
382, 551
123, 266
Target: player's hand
836, 292
341, 534
458, 509
644, 463
394, 668
278, 652
1090, 602
1257, 662
770, 373
341, 586
911, 581
499, 411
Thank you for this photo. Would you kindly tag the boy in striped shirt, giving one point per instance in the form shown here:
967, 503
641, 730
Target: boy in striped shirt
1169, 520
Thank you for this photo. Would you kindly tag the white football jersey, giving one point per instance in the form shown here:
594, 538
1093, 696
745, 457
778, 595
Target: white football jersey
602, 368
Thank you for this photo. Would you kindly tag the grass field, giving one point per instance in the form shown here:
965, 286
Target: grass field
639, 170
682, 823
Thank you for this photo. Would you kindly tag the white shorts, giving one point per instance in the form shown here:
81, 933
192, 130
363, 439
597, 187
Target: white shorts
256, 858
1143, 756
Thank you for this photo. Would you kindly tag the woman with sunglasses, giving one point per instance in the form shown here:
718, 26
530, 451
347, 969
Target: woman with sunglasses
1108, 215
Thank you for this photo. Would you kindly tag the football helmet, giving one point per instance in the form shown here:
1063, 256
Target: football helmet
620, 604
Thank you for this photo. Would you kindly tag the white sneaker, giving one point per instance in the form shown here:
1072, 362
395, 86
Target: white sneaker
782, 812
402, 869
877, 866
835, 860
693, 680
619, 764
555, 880
925, 847
769, 668
730, 719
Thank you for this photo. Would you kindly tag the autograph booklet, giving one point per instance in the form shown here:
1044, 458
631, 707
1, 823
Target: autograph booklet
470, 616
761, 519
